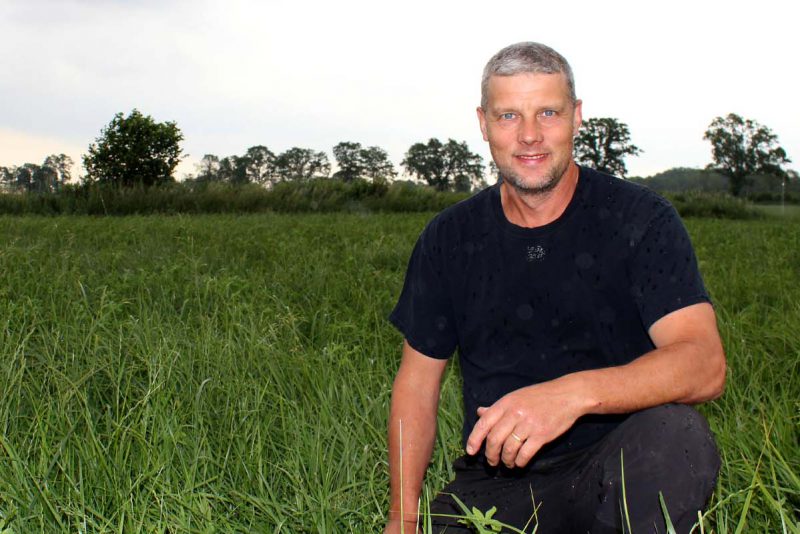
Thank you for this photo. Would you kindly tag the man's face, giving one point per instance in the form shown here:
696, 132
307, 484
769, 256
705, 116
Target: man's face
529, 122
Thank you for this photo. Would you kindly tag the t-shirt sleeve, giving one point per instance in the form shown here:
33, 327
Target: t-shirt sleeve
664, 272
423, 313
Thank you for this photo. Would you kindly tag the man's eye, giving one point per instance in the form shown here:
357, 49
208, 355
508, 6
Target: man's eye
507, 116
548, 113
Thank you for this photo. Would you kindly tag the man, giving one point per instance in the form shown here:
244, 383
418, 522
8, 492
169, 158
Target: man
583, 330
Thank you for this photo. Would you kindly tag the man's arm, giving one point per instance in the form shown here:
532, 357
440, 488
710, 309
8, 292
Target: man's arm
687, 366
415, 402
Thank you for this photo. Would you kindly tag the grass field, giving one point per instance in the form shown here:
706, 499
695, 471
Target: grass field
232, 373
776, 210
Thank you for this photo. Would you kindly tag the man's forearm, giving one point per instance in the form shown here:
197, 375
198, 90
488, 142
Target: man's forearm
676, 373
412, 432
688, 367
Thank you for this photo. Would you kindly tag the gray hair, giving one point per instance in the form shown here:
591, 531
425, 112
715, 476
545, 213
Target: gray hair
526, 57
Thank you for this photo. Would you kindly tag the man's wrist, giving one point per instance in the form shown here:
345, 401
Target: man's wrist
407, 517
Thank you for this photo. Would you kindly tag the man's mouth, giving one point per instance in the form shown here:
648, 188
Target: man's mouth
530, 157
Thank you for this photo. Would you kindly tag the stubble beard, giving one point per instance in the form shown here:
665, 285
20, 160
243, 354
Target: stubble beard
543, 188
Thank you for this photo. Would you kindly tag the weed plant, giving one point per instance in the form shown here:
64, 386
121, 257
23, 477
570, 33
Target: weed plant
227, 373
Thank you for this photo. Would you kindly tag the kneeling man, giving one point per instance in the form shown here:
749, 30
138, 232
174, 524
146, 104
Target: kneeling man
583, 329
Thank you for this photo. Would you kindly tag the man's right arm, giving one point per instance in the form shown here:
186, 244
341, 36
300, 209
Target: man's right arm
415, 402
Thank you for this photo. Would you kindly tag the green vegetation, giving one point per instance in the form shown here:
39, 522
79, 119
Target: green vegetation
317, 195
778, 210
758, 188
313, 195
713, 205
226, 373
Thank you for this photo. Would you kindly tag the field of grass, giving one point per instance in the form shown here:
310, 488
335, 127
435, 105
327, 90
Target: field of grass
225, 373
777, 210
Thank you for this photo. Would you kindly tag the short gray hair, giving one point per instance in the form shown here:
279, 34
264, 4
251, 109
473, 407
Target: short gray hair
526, 57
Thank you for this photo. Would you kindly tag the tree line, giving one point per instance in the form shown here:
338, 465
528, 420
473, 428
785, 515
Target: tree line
138, 151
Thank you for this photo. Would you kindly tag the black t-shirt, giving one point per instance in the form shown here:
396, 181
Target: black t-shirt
527, 305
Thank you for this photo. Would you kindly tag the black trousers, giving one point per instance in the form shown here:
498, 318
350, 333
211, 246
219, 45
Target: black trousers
667, 449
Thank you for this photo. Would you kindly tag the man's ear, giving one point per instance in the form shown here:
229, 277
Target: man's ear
482, 122
577, 117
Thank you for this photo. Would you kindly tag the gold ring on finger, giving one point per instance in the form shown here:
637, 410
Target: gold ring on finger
516, 437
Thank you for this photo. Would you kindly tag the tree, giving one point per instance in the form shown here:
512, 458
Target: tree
349, 160
233, 170
260, 165
302, 164
355, 162
58, 173
49, 177
377, 166
7, 177
208, 169
602, 143
449, 166
741, 148
134, 150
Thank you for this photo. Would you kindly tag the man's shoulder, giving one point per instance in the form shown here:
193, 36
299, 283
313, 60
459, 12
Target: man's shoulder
624, 196
463, 216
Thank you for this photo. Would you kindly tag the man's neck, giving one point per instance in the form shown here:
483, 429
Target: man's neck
530, 211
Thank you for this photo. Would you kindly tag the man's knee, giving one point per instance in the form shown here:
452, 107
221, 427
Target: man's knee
669, 450
678, 436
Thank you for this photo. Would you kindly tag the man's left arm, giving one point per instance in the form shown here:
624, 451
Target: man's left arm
687, 366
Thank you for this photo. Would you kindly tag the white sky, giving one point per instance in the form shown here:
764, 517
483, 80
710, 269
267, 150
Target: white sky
290, 73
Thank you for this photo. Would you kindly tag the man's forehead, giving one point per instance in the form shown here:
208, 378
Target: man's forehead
525, 82
533, 76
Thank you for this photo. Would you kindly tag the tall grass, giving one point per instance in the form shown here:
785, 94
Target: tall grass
232, 373
313, 196
318, 195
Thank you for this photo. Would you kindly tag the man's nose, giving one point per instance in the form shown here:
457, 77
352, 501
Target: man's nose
530, 132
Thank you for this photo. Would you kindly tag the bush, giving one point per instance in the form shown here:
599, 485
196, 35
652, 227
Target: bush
712, 205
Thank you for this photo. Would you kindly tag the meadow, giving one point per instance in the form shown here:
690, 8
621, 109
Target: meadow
232, 373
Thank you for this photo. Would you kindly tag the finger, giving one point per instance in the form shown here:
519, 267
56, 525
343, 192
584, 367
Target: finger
487, 417
499, 436
527, 451
511, 447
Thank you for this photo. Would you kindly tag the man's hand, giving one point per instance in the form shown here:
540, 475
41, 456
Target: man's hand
516, 426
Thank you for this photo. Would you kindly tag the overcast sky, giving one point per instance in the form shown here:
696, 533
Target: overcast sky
240, 73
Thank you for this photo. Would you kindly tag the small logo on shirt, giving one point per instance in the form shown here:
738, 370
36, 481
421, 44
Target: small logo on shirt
535, 253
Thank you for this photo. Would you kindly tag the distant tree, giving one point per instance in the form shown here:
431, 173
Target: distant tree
134, 150
208, 169
355, 162
302, 164
448, 166
23, 176
741, 148
7, 177
233, 170
494, 172
377, 166
260, 165
61, 166
48, 177
602, 143
349, 159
